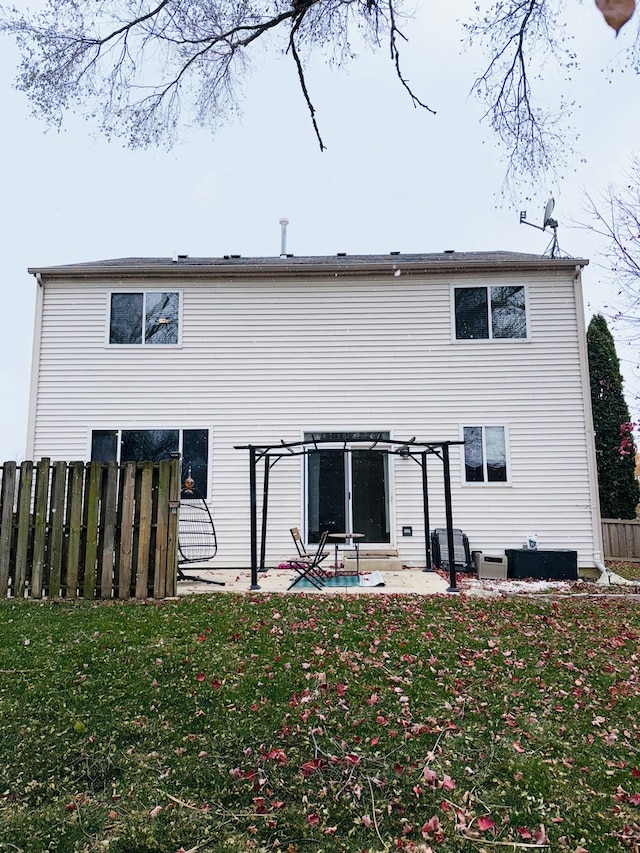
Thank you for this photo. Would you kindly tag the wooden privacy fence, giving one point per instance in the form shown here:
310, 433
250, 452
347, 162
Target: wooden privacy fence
621, 539
89, 530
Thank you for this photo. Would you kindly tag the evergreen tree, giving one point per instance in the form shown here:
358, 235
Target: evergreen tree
615, 446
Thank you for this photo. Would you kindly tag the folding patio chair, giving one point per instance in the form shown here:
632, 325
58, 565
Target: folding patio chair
461, 552
308, 565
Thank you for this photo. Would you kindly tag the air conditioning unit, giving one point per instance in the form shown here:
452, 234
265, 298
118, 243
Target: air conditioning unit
492, 566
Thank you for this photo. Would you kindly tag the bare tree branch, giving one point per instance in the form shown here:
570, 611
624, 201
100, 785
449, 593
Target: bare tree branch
616, 220
148, 69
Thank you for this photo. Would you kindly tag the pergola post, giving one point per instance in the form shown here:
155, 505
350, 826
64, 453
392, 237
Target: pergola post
425, 509
265, 502
449, 516
253, 519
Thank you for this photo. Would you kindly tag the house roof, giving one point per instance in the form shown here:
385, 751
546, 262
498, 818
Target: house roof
291, 265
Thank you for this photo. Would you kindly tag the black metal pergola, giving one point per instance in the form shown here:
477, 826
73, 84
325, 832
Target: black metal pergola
417, 451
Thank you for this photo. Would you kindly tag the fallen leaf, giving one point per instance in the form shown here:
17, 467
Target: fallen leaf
616, 12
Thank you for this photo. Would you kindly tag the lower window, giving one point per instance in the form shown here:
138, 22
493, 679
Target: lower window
154, 445
485, 454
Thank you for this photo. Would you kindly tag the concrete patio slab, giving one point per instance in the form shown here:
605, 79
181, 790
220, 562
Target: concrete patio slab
404, 581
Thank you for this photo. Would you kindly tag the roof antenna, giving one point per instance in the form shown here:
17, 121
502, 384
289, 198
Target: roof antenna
283, 237
553, 249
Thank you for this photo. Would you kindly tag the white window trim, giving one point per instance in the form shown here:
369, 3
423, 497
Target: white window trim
142, 345
490, 339
485, 484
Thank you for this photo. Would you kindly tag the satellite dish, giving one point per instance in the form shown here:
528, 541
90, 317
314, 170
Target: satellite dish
547, 220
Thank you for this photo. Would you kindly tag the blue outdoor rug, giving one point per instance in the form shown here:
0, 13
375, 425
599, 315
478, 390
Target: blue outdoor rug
372, 579
341, 580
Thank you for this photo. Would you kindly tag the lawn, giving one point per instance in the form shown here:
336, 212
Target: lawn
310, 723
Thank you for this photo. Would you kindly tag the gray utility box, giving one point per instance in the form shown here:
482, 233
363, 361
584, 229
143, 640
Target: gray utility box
492, 566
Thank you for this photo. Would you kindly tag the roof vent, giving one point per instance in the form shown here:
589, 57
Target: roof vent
394, 253
283, 237
449, 251
341, 254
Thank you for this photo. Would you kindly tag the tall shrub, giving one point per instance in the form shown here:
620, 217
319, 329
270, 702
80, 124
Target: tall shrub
615, 445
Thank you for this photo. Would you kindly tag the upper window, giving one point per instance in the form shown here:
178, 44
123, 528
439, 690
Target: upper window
490, 312
144, 318
154, 445
485, 454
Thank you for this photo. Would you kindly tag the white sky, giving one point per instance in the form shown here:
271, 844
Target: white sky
393, 178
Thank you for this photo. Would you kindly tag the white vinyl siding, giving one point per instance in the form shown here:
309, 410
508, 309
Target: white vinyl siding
270, 359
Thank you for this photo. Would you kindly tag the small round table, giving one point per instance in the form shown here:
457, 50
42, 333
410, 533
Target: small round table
348, 539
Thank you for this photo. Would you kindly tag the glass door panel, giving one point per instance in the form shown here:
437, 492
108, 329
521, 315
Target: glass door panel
326, 508
369, 495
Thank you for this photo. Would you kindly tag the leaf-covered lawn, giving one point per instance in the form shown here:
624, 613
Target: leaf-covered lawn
310, 723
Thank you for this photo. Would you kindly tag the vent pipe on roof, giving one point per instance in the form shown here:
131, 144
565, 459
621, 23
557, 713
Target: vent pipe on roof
283, 237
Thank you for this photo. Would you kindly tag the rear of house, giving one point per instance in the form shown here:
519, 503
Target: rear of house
138, 358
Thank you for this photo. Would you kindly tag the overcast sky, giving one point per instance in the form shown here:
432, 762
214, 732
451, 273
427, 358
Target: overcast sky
393, 178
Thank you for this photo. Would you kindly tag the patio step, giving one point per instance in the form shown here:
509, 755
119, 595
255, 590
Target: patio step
372, 561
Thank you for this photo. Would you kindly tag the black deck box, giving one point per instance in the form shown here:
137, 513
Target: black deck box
542, 565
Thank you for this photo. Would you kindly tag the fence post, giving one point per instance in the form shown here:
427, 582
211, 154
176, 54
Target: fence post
7, 497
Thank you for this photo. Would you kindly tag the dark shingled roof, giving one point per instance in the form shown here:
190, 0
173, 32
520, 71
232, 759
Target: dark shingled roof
317, 265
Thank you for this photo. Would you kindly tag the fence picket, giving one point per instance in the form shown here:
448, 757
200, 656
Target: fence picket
7, 498
128, 485
40, 527
24, 527
145, 517
92, 526
172, 529
162, 506
108, 523
74, 541
56, 527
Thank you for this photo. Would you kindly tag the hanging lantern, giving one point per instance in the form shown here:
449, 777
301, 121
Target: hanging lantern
616, 12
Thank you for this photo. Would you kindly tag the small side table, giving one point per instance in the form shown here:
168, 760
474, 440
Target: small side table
348, 539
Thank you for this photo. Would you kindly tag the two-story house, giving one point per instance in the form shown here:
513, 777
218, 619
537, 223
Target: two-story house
137, 358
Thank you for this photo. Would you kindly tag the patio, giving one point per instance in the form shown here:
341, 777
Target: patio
404, 581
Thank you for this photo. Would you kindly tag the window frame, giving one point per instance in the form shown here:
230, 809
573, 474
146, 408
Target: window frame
485, 483
180, 430
491, 338
143, 343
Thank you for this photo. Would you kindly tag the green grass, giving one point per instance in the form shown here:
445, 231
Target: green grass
310, 723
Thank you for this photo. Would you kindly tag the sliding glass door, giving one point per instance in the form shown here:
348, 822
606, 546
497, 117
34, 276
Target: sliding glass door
347, 492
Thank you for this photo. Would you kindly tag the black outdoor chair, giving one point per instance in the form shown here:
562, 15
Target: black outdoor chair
440, 550
197, 541
308, 565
